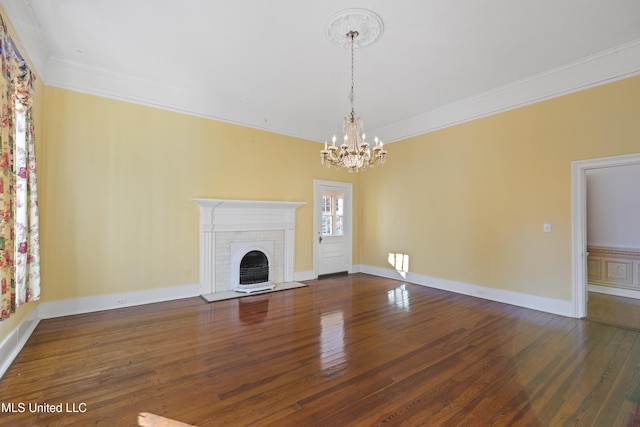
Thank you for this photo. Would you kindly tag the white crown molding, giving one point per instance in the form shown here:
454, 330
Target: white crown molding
607, 66
94, 81
604, 67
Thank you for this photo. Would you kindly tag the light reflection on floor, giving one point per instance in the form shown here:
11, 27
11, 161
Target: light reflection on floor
399, 297
332, 339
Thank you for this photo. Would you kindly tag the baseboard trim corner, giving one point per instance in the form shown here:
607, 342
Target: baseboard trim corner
11, 346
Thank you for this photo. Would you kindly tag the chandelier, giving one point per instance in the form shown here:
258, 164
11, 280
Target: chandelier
354, 153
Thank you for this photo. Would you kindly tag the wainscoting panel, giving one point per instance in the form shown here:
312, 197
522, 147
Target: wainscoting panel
614, 267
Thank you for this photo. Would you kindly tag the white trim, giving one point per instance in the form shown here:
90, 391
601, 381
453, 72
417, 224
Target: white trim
548, 305
92, 304
579, 223
12, 344
219, 215
603, 67
301, 276
347, 189
100, 82
618, 292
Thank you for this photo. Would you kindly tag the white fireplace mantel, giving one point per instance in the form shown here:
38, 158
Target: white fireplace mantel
222, 215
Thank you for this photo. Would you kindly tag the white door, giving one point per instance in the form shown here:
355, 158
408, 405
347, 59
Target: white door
332, 227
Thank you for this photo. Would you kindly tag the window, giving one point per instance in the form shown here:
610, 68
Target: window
332, 214
19, 242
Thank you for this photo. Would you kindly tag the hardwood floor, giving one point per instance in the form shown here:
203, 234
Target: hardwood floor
345, 351
614, 310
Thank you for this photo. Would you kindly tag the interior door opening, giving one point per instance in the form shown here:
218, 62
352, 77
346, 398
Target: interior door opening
579, 224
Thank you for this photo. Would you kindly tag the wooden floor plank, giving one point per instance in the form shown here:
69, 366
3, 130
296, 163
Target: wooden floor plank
349, 350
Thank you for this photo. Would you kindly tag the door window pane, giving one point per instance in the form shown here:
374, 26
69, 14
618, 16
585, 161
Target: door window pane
339, 214
326, 226
332, 214
326, 204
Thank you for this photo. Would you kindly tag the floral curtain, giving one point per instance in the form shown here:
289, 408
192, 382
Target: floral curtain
19, 241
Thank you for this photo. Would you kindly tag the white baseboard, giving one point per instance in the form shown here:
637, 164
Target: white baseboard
13, 343
549, 305
73, 306
301, 276
619, 292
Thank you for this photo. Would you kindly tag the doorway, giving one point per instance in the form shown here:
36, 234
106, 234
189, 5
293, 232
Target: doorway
579, 223
332, 227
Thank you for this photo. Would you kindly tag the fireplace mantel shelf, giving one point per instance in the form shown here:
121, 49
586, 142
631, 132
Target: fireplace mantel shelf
248, 204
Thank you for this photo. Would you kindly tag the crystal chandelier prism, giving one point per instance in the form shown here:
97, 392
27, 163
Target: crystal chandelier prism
355, 153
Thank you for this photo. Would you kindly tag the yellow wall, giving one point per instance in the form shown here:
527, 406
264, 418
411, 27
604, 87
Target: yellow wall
468, 203
116, 198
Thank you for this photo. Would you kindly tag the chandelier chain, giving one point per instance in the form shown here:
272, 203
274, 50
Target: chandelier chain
352, 97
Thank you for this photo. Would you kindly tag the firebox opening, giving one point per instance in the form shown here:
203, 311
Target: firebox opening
254, 268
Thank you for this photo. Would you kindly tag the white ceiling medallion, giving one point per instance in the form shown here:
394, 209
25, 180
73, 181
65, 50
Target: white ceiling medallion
367, 23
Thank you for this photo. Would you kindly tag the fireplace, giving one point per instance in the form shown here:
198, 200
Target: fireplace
231, 229
251, 266
254, 268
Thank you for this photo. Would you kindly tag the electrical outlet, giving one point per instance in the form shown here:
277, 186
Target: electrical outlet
121, 302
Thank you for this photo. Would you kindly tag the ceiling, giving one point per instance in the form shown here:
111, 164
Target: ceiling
270, 65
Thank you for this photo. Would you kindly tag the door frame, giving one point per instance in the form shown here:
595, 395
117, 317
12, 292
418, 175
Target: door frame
347, 189
579, 223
